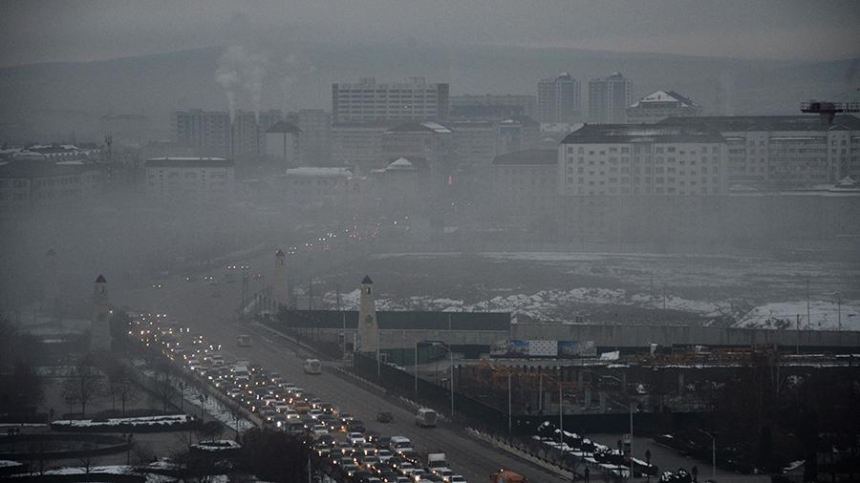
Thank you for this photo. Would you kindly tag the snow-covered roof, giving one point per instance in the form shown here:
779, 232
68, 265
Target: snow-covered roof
664, 96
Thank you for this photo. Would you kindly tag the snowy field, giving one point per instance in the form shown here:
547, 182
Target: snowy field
617, 288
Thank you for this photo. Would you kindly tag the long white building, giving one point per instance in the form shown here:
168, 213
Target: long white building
369, 101
781, 152
190, 179
625, 159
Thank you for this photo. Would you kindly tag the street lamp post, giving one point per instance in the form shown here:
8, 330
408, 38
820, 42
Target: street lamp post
713, 453
451, 359
631, 431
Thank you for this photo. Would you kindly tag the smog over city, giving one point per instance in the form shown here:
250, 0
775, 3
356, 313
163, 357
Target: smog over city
380, 241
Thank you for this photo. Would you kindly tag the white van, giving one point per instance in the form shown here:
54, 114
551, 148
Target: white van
426, 418
398, 444
312, 366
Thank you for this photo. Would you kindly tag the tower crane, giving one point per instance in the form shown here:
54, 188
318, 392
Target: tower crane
827, 110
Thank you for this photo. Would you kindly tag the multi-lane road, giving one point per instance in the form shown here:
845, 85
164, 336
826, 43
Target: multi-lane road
191, 304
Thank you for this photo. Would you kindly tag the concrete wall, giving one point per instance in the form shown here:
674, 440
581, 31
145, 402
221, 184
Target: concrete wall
642, 336
611, 336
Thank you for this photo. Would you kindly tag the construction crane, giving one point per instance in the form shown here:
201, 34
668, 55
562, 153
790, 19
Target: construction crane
827, 110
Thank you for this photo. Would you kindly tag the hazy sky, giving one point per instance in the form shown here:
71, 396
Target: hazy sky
51, 30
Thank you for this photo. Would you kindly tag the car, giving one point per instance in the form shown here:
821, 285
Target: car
384, 417
355, 438
318, 430
457, 479
384, 454
356, 426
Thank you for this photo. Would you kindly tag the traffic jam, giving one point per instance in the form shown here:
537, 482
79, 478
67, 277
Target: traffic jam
338, 442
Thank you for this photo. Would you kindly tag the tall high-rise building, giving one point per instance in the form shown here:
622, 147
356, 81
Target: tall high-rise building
559, 99
369, 101
608, 98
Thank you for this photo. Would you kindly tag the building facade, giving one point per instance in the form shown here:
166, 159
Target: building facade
559, 99
660, 105
492, 107
626, 159
782, 152
315, 125
359, 144
369, 101
212, 133
33, 181
201, 180
608, 98
525, 183
284, 141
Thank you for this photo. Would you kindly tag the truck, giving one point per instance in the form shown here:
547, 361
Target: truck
436, 462
426, 418
505, 476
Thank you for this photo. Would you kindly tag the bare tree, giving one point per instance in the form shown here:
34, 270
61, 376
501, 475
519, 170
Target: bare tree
84, 383
121, 385
87, 460
165, 383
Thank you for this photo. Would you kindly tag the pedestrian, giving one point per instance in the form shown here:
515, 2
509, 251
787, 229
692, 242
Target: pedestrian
695, 472
586, 473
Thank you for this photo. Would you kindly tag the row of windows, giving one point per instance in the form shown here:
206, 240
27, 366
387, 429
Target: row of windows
636, 180
647, 170
647, 190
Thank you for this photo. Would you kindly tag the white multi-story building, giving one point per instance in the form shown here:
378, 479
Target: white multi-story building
369, 101
203, 180
559, 99
785, 151
624, 160
608, 98
660, 105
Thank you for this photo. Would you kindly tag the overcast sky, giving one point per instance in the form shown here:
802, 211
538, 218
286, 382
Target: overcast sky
53, 30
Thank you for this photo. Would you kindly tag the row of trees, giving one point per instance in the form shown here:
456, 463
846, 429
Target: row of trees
96, 376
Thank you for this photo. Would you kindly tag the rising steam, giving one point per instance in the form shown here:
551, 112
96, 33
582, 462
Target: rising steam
240, 71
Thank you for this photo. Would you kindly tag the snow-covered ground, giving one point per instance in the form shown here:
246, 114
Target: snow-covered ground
139, 422
210, 405
548, 287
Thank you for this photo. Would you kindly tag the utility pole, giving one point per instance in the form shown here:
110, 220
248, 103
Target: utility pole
797, 341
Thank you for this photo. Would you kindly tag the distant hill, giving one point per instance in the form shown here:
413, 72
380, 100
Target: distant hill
56, 100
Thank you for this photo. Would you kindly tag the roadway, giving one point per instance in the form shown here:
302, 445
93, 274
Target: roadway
192, 305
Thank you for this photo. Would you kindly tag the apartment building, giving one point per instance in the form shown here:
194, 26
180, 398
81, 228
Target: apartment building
625, 159
780, 152
369, 101
559, 99
608, 98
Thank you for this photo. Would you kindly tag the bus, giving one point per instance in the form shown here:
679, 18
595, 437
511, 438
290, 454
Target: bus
243, 340
312, 366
